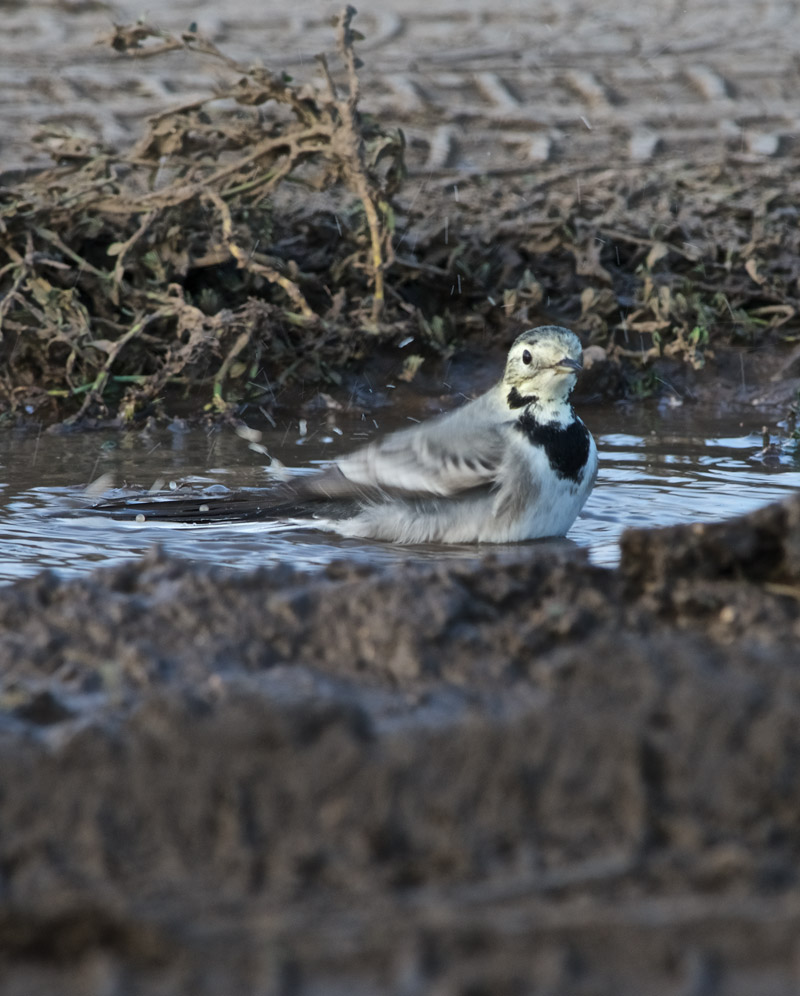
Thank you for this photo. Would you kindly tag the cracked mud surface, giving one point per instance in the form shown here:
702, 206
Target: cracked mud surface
527, 775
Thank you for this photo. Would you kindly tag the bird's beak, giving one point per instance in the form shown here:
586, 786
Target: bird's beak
567, 363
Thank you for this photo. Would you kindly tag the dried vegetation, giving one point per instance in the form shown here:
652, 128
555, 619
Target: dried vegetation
264, 233
172, 264
653, 264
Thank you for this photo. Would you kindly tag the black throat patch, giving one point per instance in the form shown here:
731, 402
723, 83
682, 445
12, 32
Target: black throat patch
567, 447
517, 400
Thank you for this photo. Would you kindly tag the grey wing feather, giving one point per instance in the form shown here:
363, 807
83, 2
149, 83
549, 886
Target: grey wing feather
517, 492
453, 453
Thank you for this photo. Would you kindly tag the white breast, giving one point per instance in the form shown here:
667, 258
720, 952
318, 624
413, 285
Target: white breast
559, 500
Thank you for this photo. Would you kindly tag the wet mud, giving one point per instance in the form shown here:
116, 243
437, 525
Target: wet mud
519, 775
524, 775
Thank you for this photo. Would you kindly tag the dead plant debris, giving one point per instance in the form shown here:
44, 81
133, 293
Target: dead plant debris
265, 232
172, 263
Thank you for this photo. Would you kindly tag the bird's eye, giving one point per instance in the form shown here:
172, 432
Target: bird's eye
526, 357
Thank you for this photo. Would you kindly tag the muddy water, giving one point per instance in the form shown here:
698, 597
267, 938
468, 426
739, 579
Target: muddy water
657, 468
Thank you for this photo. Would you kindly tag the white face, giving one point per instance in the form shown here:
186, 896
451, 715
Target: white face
545, 360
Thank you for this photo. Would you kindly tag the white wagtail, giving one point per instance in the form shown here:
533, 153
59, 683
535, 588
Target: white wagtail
514, 464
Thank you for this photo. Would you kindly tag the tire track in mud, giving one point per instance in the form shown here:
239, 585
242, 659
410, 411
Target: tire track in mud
477, 88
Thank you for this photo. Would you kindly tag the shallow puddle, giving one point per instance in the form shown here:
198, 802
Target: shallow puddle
656, 468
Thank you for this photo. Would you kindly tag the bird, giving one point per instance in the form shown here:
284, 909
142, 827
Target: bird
515, 463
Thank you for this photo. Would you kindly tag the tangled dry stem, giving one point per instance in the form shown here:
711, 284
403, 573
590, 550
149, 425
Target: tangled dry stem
207, 252
104, 246
351, 148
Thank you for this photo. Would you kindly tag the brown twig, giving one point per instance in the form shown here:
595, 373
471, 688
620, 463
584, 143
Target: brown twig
349, 143
245, 261
123, 249
94, 211
95, 393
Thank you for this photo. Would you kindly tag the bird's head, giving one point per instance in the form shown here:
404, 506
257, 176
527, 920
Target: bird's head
542, 365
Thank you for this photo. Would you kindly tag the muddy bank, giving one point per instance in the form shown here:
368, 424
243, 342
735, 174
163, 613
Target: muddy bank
527, 775
273, 230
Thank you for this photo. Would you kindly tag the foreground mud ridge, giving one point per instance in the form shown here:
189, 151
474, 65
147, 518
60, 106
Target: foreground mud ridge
525, 775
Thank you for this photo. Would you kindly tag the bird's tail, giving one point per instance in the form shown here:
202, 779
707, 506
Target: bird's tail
233, 506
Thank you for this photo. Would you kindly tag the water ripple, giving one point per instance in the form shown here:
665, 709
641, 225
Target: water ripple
645, 479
